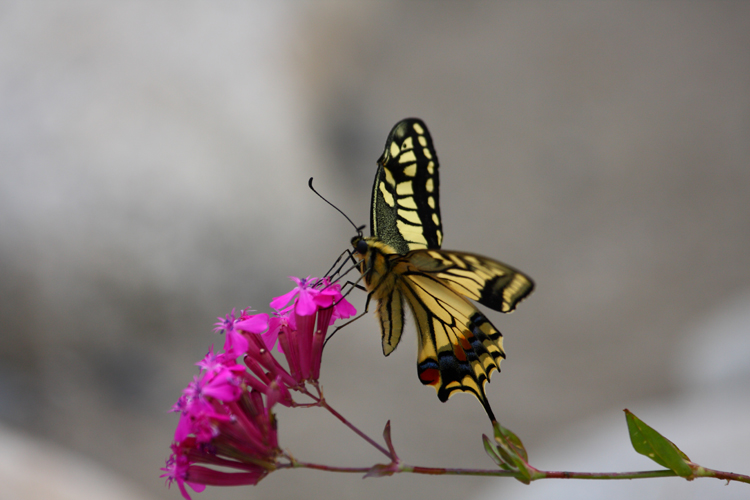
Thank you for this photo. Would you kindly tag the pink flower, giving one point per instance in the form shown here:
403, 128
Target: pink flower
330, 295
224, 424
181, 468
301, 328
225, 412
312, 295
176, 470
236, 341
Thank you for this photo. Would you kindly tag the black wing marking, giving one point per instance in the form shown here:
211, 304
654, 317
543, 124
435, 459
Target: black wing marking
390, 313
405, 211
491, 283
458, 346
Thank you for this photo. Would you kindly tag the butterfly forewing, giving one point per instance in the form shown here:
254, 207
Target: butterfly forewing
491, 283
405, 211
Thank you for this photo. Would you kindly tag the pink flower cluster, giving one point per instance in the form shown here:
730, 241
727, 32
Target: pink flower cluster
225, 412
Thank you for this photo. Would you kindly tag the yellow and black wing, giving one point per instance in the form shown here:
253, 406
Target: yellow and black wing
402, 262
458, 346
489, 282
405, 209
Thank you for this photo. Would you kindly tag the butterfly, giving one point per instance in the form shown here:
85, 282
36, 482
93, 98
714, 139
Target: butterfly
401, 262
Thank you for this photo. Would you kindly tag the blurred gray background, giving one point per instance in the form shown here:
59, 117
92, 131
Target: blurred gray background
154, 161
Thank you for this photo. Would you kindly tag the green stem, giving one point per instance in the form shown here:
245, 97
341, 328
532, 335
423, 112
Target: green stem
603, 475
413, 469
729, 476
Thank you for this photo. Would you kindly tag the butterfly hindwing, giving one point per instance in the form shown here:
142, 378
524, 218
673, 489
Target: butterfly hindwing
458, 347
405, 197
390, 313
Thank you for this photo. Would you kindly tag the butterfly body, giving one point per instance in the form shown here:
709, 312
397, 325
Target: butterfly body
458, 347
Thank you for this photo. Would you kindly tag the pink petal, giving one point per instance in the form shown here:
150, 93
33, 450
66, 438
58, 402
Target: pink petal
254, 324
279, 302
344, 309
305, 305
236, 343
269, 338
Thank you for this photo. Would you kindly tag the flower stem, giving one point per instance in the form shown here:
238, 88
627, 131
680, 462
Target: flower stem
604, 475
329, 468
730, 476
361, 434
321, 401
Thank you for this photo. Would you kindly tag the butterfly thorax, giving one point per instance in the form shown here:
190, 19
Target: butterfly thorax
376, 262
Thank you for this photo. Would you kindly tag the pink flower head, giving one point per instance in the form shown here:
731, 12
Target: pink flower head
225, 412
305, 297
330, 295
225, 424
313, 294
224, 324
301, 328
181, 468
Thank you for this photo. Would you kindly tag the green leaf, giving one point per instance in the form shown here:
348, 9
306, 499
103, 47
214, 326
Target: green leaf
514, 442
661, 450
513, 453
493, 453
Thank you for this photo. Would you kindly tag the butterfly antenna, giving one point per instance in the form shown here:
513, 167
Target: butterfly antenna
359, 229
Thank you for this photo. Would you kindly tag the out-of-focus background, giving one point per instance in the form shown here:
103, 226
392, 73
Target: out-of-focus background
154, 159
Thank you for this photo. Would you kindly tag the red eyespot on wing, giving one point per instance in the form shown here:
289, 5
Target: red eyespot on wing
429, 376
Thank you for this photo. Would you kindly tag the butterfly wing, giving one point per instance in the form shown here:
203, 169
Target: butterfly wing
458, 348
405, 209
491, 283
390, 313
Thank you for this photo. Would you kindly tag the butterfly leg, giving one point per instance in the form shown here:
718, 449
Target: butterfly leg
353, 284
348, 254
349, 257
367, 306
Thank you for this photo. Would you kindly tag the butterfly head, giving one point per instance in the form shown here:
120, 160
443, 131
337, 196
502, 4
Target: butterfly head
360, 244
